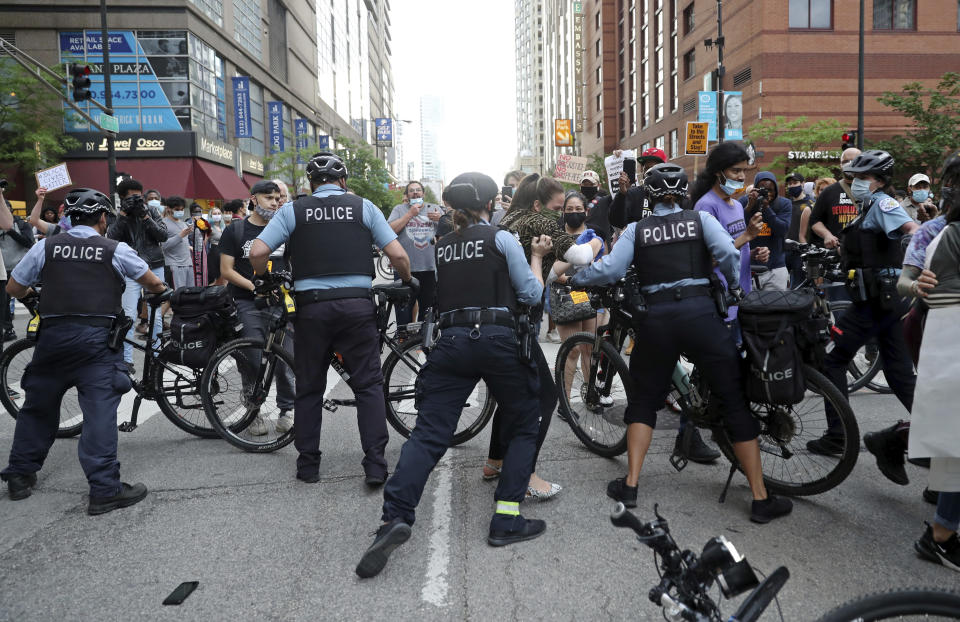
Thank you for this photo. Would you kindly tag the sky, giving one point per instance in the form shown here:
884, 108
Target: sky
462, 52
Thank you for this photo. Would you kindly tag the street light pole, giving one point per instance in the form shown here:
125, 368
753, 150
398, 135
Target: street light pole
108, 98
720, 71
860, 86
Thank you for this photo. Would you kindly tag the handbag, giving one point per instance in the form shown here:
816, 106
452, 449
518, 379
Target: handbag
569, 306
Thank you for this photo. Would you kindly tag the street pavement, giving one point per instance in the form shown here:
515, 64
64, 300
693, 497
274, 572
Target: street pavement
264, 546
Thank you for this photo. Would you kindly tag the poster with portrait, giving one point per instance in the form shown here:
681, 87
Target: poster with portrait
733, 115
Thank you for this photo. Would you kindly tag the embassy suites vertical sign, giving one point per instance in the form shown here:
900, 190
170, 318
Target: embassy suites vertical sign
578, 65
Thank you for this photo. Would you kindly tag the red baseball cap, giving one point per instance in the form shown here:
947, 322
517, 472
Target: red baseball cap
653, 154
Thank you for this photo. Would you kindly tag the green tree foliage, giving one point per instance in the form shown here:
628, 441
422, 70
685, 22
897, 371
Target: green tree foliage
288, 165
800, 134
31, 120
596, 165
935, 131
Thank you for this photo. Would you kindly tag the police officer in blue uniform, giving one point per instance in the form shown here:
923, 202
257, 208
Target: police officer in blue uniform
482, 279
671, 253
872, 254
328, 237
81, 331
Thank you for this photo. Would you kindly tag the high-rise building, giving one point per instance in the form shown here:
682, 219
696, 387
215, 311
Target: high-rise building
431, 120
531, 118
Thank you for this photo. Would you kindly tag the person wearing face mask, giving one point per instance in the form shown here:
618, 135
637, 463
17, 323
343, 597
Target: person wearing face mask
673, 274
631, 203
199, 245
919, 202
835, 207
801, 208
176, 250
597, 206
415, 223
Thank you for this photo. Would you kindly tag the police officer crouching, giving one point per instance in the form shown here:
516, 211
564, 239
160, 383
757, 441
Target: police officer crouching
670, 252
80, 344
482, 279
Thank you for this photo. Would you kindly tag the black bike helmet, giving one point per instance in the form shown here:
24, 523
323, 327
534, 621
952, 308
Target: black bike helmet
665, 180
471, 191
86, 202
326, 165
875, 162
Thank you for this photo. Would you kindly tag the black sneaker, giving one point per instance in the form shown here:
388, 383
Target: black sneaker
128, 495
309, 478
923, 463
19, 485
700, 452
619, 491
770, 508
931, 496
375, 481
531, 529
888, 447
389, 537
943, 553
827, 445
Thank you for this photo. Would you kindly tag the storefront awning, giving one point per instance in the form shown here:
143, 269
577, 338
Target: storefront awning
187, 177
213, 181
250, 179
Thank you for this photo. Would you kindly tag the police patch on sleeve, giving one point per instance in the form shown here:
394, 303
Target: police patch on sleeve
888, 204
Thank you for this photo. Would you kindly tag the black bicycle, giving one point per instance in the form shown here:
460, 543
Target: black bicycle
175, 388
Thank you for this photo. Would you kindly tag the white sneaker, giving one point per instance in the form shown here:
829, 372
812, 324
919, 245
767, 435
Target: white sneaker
285, 422
553, 336
258, 427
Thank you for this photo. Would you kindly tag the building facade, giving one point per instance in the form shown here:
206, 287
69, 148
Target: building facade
431, 122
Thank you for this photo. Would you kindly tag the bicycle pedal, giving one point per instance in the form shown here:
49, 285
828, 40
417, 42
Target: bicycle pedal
678, 461
330, 405
127, 426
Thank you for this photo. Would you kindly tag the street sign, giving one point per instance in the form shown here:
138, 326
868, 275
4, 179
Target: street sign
697, 138
109, 123
562, 133
384, 132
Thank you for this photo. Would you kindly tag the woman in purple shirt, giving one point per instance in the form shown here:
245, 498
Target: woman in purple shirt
712, 192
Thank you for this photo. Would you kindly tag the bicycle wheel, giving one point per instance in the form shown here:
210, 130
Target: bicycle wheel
232, 408
384, 267
399, 379
594, 412
13, 362
789, 468
177, 391
907, 604
865, 365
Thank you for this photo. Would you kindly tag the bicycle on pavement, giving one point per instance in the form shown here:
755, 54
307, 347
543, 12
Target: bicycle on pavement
175, 388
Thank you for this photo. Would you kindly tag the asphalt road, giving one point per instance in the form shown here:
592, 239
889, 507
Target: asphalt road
265, 546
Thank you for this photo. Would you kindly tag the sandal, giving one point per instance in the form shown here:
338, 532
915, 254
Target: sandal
538, 495
491, 476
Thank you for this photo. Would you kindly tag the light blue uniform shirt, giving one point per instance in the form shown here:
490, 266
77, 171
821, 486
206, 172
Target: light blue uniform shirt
886, 215
614, 266
281, 226
125, 259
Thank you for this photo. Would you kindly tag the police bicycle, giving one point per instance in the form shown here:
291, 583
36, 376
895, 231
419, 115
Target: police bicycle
382, 264
686, 579
594, 400
175, 388
232, 407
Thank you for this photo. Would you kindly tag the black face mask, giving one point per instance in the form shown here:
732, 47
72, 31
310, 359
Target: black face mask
575, 219
589, 192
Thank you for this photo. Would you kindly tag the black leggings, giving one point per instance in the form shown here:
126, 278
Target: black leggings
428, 292
548, 398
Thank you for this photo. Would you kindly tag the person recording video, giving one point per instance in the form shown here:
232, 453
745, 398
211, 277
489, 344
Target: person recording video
767, 248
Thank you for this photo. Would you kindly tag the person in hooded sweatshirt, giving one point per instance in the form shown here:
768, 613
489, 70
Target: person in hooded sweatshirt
767, 248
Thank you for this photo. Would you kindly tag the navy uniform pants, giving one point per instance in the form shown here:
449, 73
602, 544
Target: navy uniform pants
65, 356
455, 365
347, 326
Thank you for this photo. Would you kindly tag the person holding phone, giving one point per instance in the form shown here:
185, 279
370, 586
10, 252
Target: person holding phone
177, 250
511, 180
415, 224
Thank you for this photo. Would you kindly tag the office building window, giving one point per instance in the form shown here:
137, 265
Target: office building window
206, 90
633, 119
254, 144
599, 103
807, 14
688, 23
658, 59
894, 15
599, 76
660, 142
599, 129
689, 64
597, 46
674, 144
674, 57
278, 39
212, 9
246, 26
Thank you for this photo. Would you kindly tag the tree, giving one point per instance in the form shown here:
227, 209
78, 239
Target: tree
289, 165
801, 135
596, 165
368, 176
31, 120
935, 116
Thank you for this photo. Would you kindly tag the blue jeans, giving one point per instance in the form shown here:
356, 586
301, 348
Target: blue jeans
131, 296
948, 510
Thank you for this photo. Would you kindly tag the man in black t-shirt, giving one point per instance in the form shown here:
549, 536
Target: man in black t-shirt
235, 267
835, 207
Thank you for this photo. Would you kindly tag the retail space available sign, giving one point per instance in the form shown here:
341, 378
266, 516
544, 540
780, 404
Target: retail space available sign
276, 126
696, 138
384, 132
570, 168
562, 132
243, 128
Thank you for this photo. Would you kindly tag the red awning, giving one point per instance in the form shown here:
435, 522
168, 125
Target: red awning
213, 181
250, 179
171, 176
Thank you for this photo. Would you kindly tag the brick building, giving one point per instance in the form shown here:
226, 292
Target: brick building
646, 60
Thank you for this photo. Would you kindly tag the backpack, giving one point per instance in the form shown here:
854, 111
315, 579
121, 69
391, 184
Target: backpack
203, 318
774, 324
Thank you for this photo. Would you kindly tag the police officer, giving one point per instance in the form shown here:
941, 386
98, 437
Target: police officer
80, 309
328, 237
670, 252
482, 278
871, 256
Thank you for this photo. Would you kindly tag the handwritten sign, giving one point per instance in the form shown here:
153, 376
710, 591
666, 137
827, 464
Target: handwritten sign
697, 138
54, 177
614, 166
570, 168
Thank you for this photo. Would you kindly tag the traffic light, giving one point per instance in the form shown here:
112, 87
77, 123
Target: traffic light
81, 82
849, 139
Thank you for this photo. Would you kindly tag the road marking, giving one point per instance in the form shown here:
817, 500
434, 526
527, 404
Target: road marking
435, 586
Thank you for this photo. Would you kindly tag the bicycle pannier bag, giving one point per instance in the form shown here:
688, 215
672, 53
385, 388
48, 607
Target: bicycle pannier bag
771, 323
203, 318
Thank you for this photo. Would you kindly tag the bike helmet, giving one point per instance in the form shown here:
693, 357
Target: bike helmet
665, 180
471, 191
875, 162
86, 202
326, 165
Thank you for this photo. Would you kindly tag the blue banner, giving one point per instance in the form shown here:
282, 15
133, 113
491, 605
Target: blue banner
300, 130
276, 126
384, 132
732, 113
707, 112
323, 142
243, 128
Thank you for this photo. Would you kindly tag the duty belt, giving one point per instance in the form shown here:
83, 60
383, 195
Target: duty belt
677, 293
318, 295
85, 320
464, 317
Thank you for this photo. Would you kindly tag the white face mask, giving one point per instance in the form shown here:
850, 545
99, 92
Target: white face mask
155, 204
227, 218
860, 189
215, 218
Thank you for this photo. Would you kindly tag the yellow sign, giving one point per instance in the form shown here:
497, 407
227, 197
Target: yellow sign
579, 297
562, 133
697, 138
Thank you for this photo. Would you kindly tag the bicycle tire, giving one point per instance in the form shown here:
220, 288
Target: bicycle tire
895, 603
399, 396
216, 384
384, 269
176, 389
801, 460
861, 370
12, 367
590, 421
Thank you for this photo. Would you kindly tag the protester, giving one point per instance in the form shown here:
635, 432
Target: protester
918, 201
835, 207
176, 250
767, 248
415, 224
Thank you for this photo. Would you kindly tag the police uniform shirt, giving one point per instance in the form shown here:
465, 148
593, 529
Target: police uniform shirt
613, 266
885, 215
283, 223
125, 260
